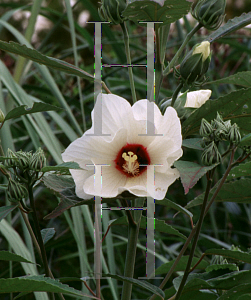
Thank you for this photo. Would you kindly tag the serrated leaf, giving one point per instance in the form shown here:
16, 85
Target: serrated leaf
44, 60
25, 110
140, 283
169, 203
5, 210
192, 143
38, 284
9, 256
160, 225
62, 168
232, 25
181, 266
153, 11
235, 106
238, 255
47, 234
241, 78
239, 171
231, 267
238, 191
191, 172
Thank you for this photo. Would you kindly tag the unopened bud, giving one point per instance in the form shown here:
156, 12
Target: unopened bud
12, 160
196, 63
16, 191
210, 13
206, 128
111, 10
211, 155
234, 135
23, 159
221, 131
38, 160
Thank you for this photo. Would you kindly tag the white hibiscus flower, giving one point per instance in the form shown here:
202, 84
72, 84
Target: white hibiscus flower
125, 153
197, 98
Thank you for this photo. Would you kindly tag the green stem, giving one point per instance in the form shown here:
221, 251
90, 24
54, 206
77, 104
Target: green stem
178, 53
128, 56
196, 237
158, 65
176, 92
39, 236
133, 232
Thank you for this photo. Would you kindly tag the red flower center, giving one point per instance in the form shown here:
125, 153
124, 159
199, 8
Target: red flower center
132, 160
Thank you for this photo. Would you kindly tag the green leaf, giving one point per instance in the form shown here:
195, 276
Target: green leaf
245, 141
153, 11
191, 172
231, 267
238, 191
169, 203
44, 60
140, 283
235, 106
232, 25
47, 234
38, 284
236, 292
199, 295
239, 171
62, 168
5, 210
238, 255
25, 110
241, 78
245, 297
181, 266
160, 225
9, 256
192, 143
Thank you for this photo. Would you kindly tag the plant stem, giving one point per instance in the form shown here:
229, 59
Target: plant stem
133, 231
197, 233
178, 53
128, 56
176, 92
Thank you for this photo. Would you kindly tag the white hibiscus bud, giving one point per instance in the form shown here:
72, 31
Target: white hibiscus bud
197, 98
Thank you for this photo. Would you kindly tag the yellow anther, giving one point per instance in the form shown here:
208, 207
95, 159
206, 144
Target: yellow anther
131, 165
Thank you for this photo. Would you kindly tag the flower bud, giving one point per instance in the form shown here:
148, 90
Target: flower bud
211, 155
38, 160
206, 128
111, 10
234, 135
23, 159
2, 116
221, 131
16, 191
210, 13
196, 63
196, 99
12, 161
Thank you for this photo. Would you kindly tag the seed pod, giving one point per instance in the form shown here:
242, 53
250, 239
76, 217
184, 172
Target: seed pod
234, 135
206, 128
211, 155
38, 160
12, 161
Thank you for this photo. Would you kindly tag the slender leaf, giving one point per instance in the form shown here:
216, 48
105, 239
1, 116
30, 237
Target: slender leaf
25, 110
171, 204
231, 26
38, 57
241, 78
238, 255
140, 283
61, 168
38, 283
9, 256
